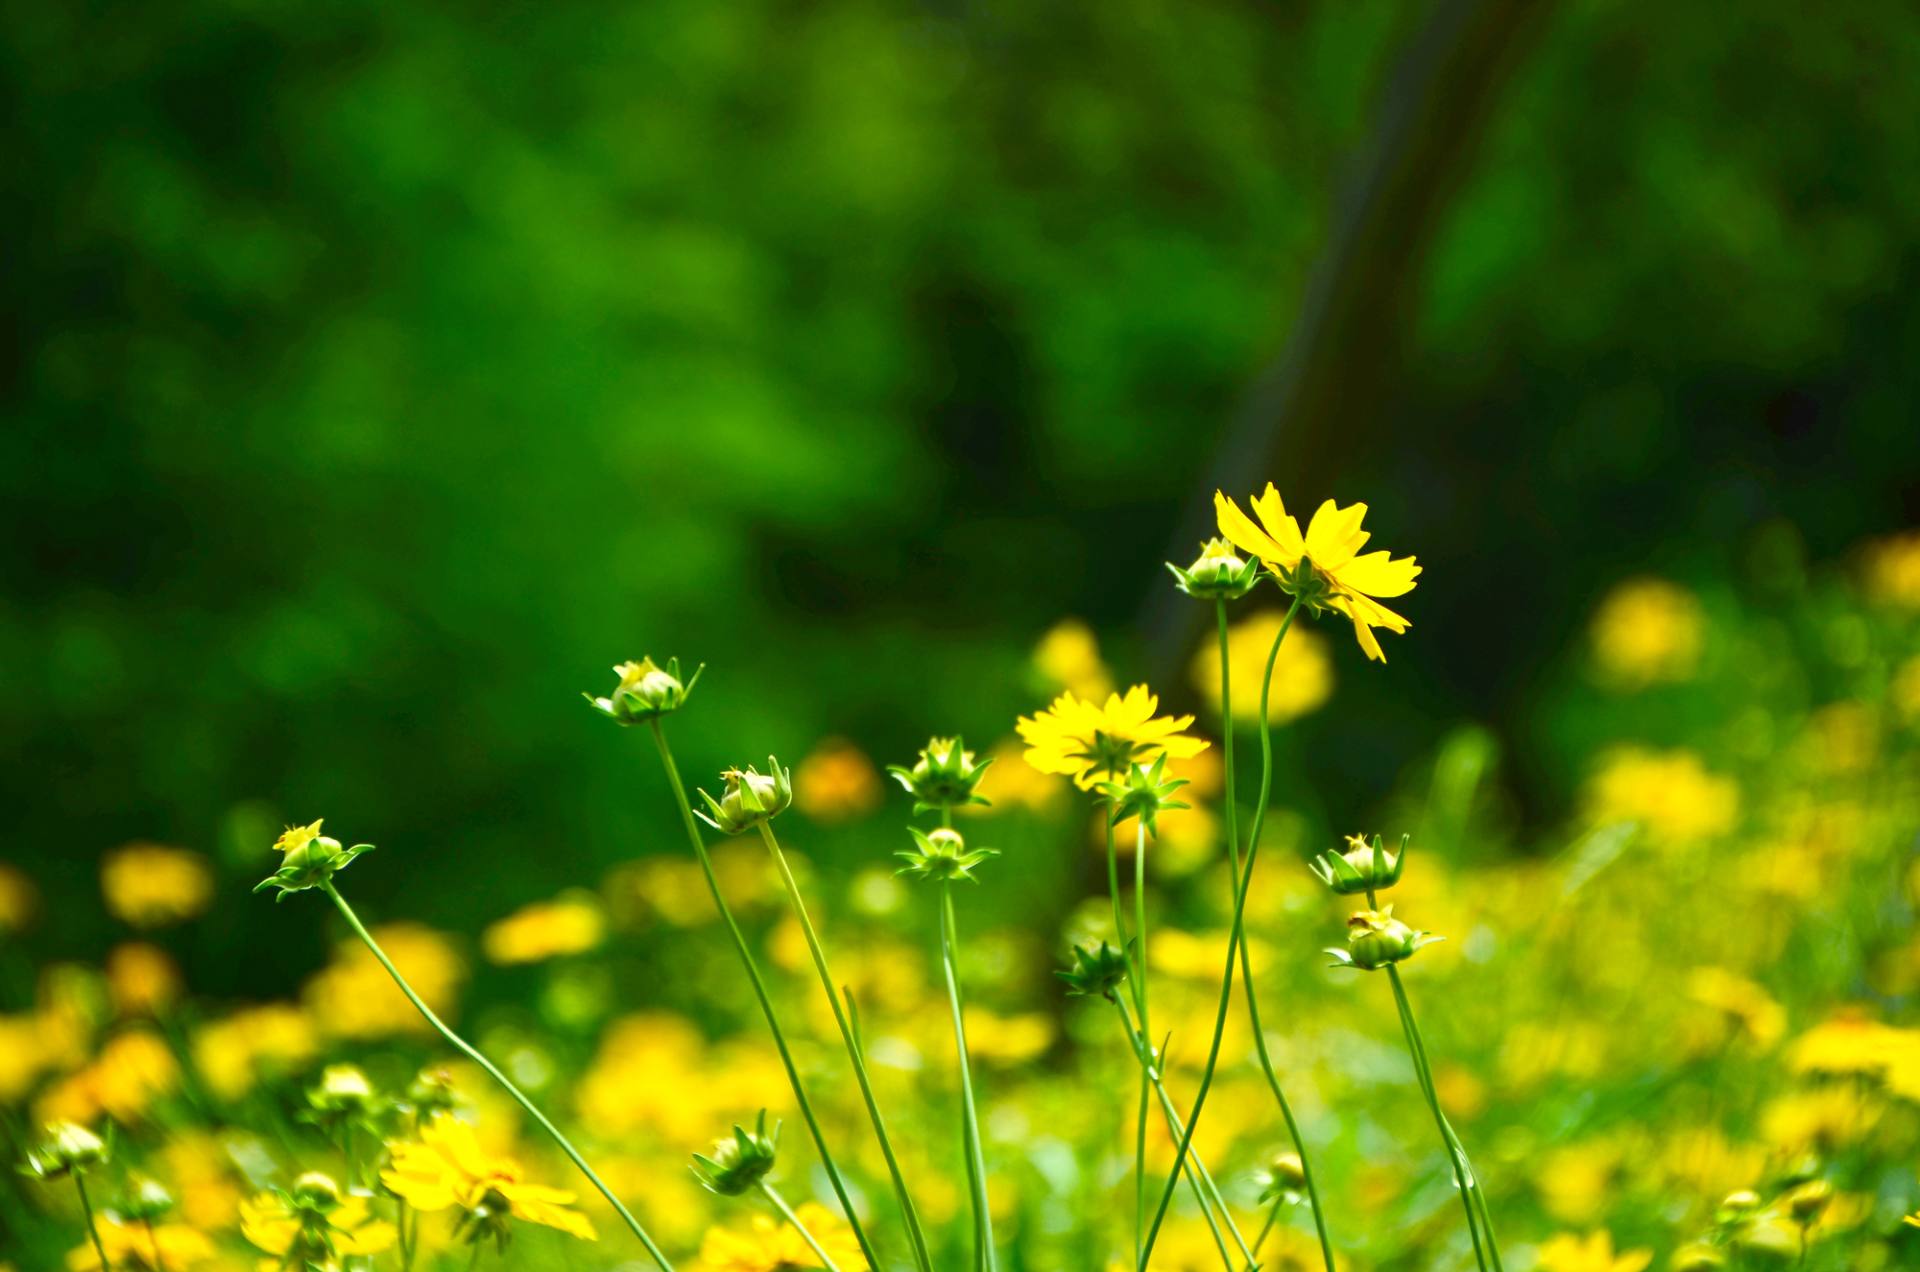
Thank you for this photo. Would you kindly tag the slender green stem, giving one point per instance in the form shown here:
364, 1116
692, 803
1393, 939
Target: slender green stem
1205, 1191
1273, 1214
982, 1238
473, 1053
1235, 938
401, 1218
473, 1260
976, 1160
854, 1054
1471, 1195
1128, 950
1140, 1001
813, 1243
1246, 958
760, 994
93, 1230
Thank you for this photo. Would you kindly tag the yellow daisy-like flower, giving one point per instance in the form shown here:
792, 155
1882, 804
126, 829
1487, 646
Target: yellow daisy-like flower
297, 837
448, 1168
316, 1222
772, 1246
1077, 739
1331, 546
138, 1247
535, 933
150, 885
1592, 1253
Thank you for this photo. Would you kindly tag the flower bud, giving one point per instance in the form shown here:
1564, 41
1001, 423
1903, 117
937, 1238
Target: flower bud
942, 854
1145, 793
1307, 585
1698, 1258
739, 1164
145, 1201
1218, 573
1283, 1179
1095, 972
943, 777
1375, 938
749, 798
343, 1091
646, 691
315, 1192
1737, 1205
1769, 1239
68, 1149
430, 1092
1806, 1202
1362, 867
310, 860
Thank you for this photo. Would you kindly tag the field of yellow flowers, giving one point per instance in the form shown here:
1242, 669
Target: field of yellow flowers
1676, 1031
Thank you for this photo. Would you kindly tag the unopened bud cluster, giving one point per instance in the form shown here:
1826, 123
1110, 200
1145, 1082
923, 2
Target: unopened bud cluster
1095, 972
748, 798
1218, 573
1145, 792
944, 777
942, 854
737, 1165
310, 860
646, 691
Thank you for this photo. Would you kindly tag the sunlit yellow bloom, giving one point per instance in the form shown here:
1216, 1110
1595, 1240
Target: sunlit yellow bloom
546, 929
232, 1054
1332, 545
1591, 1253
1849, 1042
165, 1247
355, 998
772, 1245
148, 885
133, 1069
1302, 673
1825, 1118
18, 897
1575, 1182
1648, 630
1068, 657
1893, 569
996, 1039
836, 782
1077, 739
272, 1224
1671, 793
141, 978
204, 1178
1748, 1008
655, 1072
448, 1168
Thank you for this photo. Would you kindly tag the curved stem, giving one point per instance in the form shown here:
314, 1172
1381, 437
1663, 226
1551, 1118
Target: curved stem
976, 1160
1246, 959
760, 994
473, 1054
919, 1238
1134, 974
93, 1230
813, 1243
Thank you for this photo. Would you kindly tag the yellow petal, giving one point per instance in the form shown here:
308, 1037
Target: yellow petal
1334, 534
1245, 535
1273, 514
1378, 574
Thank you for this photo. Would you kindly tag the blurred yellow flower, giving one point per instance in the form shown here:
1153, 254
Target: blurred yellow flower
1591, 1253
1068, 657
1085, 742
163, 1247
149, 885
1848, 1042
1576, 1182
570, 924
1904, 692
1012, 783
655, 1073
232, 1054
272, 1224
1671, 793
1825, 1118
1008, 1040
1646, 631
772, 1245
19, 898
836, 782
132, 1070
23, 1055
447, 1167
1331, 544
204, 1178
1748, 1010
1302, 674
355, 998
1893, 569
141, 978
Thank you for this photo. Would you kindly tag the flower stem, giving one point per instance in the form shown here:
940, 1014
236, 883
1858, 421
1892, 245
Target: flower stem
976, 1160
760, 993
473, 1053
1471, 1197
93, 1230
813, 1244
914, 1232
1129, 951
1139, 979
1235, 938
1246, 960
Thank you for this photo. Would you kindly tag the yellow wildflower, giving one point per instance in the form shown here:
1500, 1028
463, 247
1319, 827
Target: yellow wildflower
1068, 657
204, 1177
771, 1245
1748, 1010
1302, 673
654, 1072
1893, 569
1592, 1253
448, 1168
1575, 1182
546, 929
836, 782
1648, 630
1010, 784
19, 898
355, 998
234, 1053
314, 1222
1009, 1040
23, 1055
132, 1070
1825, 1118
137, 1247
1331, 546
141, 978
1849, 1042
148, 885
1671, 793
1077, 739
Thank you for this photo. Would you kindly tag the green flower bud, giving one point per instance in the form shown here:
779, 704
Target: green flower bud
646, 691
145, 1201
343, 1091
1218, 573
1806, 1202
942, 854
1375, 938
311, 859
749, 798
69, 1148
1768, 1238
1145, 793
1363, 867
1095, 972
1737, 1205
943, 777
430, 1092
739, 1164
315, 1192
1697, 1258
1283, 1179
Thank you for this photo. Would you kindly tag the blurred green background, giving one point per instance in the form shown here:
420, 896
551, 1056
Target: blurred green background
377, 375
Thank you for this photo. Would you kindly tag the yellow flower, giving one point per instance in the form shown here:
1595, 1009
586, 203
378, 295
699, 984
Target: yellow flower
355, 998
836, 782
1746, 1007
1302, 673
232, 1054
297, 837
1077, 739
654, 1073
1825, 1118
132, 1070
1670, 792
141, 978
770, 1245
316, 1221
1331, 546
448, 1168
148, 885
1893, 569
18, 896
1011, 784
546, 929
1068, 657
1592, 1253
1648, 630
169, 1246
1017, 1039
